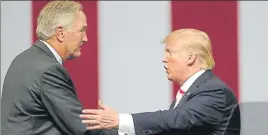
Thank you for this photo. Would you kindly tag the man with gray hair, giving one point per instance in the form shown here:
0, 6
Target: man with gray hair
39, 97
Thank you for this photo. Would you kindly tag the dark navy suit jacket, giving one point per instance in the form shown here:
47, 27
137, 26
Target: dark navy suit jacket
209, 107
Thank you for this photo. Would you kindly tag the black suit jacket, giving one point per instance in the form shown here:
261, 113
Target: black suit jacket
209, 107
39, 97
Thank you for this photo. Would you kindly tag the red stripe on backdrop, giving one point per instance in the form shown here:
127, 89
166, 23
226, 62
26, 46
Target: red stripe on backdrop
219, 20
83, 70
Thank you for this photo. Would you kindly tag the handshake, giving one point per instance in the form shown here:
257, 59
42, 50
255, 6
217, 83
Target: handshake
104, 118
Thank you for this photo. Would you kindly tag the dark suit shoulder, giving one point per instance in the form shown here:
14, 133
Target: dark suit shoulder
218, 88
214, 83
27, 69
36, 60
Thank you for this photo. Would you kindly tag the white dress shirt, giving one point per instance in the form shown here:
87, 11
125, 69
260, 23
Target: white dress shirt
126, 124
57, 56
187, 85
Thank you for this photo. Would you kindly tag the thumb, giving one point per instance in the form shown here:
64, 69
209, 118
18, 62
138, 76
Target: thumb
101, 105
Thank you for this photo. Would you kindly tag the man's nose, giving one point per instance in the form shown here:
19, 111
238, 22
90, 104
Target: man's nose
85, 39
164, 60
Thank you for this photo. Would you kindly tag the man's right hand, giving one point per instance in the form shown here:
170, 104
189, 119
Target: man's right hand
104, 118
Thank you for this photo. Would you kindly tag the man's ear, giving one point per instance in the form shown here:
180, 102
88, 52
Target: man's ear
191, 59
60, 33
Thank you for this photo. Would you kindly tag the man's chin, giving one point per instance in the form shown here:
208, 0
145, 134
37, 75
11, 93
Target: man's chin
169, 78
70, 57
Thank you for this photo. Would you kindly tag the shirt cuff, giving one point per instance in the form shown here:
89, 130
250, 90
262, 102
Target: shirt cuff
126, 124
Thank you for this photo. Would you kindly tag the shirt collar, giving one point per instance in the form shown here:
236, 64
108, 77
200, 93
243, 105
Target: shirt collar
191, 80
57, 56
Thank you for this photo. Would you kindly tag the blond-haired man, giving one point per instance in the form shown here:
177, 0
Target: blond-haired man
39, 97
204, 105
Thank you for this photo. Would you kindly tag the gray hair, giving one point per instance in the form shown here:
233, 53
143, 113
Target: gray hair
56, 13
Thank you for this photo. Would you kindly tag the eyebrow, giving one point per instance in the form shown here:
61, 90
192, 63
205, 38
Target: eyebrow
83, 28
167, 49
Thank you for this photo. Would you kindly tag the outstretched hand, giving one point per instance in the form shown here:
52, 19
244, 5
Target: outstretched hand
104, 118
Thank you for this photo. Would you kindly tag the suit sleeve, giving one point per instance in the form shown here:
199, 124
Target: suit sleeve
110, 132
201, 110
62, 103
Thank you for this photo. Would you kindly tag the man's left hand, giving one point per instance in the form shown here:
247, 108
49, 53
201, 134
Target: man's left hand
105, 118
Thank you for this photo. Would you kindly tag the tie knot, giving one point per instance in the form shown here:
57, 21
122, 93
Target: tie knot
181, 91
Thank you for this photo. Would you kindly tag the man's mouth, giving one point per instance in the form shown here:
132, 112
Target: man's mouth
166, 69
81, 44
80, 47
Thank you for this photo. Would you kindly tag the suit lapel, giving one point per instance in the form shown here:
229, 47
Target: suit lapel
172, 104
200, 80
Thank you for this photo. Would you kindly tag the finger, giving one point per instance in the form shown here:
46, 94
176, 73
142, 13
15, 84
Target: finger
94, 127
102, 106
100, 102
91, 122
88, 116
91, 111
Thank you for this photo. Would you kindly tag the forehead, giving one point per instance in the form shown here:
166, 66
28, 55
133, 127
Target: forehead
81, 18
175, 45
182, 41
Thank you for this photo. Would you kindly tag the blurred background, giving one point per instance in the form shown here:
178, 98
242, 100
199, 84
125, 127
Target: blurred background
121, 64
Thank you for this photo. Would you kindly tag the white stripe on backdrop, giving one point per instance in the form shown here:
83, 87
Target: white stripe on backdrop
253, 48
132, 76
16, 31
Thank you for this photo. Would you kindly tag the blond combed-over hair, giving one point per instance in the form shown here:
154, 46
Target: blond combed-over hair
195, 41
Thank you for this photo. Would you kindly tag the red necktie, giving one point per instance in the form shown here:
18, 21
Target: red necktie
180, 91
179, 95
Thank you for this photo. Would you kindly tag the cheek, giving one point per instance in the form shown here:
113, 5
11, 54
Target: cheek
69, 39
171, 63
73, 40
175, 65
